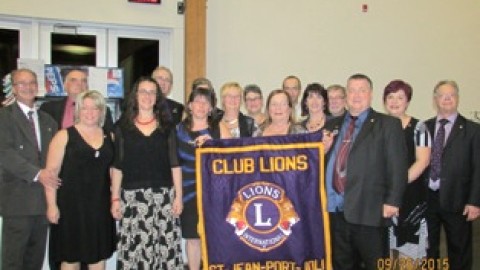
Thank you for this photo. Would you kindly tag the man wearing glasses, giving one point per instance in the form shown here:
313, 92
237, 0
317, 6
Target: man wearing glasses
25, 134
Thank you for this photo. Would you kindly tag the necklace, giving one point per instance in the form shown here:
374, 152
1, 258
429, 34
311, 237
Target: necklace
144, 123
230, 122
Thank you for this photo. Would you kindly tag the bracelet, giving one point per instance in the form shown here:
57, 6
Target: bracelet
115, 200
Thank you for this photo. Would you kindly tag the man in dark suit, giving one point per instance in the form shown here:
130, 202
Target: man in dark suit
25, 134
164, 77
454, 179
62, 110
366, 175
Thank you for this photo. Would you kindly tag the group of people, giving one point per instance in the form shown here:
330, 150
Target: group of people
392, 181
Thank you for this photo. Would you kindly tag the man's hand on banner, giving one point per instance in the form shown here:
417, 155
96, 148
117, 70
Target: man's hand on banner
327, 140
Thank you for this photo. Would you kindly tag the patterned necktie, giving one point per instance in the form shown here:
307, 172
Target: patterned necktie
34, 130
340, 169
437, 151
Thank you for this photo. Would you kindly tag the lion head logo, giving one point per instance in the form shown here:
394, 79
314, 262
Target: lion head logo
262, 215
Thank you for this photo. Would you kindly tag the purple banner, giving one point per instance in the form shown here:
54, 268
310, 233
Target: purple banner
262, 203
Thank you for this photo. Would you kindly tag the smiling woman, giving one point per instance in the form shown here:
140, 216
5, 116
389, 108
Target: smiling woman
146, 182
82, 231
280, 120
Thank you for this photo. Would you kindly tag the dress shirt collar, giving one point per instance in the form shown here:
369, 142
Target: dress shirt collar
361, 117
451, 118
25, 109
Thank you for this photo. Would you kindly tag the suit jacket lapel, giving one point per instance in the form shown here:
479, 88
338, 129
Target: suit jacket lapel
366, 128
61, 111
457, 127
46, 132
22, 122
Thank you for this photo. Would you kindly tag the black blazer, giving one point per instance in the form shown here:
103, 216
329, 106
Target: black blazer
377, 168
460, 172
176, 110
20, 162
56, 109
246, 124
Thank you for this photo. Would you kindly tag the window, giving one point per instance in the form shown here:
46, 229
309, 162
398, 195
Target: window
137, 50
9, 52
73, 49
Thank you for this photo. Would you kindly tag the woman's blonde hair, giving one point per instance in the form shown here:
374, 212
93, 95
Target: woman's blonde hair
99, 101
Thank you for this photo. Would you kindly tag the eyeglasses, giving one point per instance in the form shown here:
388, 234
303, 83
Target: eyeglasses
163, 79
232, 96
84, 108
279, 105
25, 84
147, 92
446, 96
253, 99
201, 102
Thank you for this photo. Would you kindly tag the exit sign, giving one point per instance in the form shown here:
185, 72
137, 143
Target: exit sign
146, 1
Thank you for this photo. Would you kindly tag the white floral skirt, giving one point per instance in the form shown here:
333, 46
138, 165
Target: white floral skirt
149, 235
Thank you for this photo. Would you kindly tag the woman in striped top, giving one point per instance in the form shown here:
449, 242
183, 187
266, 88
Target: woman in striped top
198, 126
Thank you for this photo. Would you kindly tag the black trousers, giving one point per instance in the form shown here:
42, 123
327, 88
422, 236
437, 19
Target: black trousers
458, 232
356, 246
23, 242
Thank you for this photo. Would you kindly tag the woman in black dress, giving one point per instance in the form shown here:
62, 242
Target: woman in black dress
147, 182
83, 229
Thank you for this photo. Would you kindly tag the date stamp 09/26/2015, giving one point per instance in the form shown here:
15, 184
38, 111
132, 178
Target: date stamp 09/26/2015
410, 263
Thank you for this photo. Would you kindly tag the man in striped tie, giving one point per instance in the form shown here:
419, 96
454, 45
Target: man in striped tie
25, 134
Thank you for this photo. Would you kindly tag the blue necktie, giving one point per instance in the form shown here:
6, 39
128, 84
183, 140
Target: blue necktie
437, 151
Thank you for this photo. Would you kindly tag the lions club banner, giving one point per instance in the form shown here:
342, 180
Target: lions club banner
261, 203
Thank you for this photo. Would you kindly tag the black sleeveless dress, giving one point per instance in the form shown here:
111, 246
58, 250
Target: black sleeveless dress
86, 230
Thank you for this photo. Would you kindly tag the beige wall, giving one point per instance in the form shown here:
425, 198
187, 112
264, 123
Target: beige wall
421, 42
318, 40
